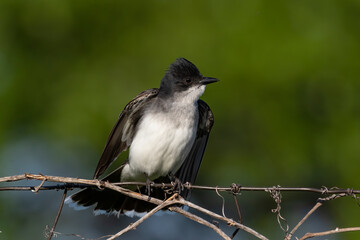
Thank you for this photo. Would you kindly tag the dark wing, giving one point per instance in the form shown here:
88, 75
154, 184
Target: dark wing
189, 170
123, 132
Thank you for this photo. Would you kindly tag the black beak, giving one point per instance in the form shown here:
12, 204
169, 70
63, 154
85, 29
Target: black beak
208, 80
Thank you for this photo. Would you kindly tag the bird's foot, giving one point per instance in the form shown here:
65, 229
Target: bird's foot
148, 187
177, 185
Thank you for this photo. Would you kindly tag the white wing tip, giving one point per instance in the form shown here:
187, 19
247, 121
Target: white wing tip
74, 205
131, 213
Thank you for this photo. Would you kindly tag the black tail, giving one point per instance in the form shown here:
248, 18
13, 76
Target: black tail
108, 201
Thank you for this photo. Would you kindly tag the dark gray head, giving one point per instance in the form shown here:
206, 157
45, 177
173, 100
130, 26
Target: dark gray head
181, 76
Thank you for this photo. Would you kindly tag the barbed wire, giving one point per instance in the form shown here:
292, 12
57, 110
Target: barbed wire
234, 188
173, 203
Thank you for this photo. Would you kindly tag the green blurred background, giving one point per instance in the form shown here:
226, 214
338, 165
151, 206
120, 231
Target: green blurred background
287, 107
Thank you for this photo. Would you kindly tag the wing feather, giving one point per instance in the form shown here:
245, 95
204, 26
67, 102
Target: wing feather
190, 168
124, 130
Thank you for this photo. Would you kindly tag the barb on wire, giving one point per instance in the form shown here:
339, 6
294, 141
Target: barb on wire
236, 190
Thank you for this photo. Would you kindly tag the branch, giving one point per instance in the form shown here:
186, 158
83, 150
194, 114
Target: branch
200, 220
312, 210
170, 201
51, 233
228, 221
142, 219
337, 230
317, 205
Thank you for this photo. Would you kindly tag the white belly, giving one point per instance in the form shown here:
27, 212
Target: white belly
159, 147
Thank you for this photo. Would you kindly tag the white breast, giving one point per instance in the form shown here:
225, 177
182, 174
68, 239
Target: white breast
164, 138
160, 147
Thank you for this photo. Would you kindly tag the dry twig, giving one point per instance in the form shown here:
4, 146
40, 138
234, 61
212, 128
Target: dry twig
337, 230
317, 205
51, 233
133, 226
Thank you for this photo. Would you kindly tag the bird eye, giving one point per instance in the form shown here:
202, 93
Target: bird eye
188, 80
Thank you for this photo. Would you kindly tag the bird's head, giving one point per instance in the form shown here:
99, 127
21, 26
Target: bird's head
184, 78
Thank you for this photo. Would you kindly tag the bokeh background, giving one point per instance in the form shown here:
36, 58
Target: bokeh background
287, 108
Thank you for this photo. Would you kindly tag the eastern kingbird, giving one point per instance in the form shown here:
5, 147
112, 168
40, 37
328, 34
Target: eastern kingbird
166, 130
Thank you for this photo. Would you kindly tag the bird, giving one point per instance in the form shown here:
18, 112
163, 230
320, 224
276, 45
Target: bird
165, 131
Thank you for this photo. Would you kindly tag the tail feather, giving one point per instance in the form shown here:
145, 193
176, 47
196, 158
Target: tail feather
108, 201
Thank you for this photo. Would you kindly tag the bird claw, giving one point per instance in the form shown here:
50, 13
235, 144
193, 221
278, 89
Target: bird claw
148, 187
177, 186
